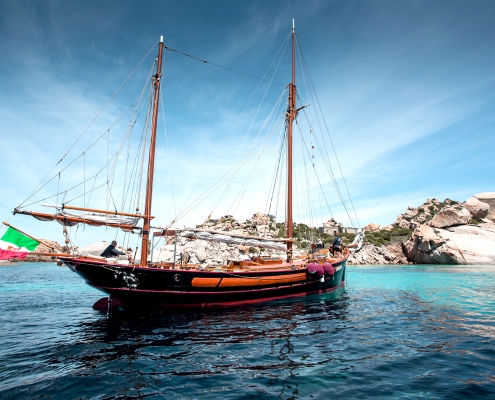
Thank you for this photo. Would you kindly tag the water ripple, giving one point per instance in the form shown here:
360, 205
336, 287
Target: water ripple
393, 333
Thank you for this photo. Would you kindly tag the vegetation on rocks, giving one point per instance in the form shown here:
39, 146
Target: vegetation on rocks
385, 237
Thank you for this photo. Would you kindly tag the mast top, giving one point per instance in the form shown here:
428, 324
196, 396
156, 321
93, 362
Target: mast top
161, 39
293, 27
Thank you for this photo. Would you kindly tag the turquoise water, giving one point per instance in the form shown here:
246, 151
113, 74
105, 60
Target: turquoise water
468, 288
394, 332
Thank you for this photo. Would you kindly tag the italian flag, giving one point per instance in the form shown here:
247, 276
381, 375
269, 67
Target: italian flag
15, 244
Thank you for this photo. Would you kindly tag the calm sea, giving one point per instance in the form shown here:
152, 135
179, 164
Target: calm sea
394, 332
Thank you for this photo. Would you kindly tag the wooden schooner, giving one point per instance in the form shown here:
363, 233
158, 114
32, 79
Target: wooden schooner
179, 284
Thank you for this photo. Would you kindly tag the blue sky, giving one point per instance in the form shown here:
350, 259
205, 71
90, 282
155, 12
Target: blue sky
407, 90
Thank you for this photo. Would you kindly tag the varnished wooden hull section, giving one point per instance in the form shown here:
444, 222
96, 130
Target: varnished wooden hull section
133, 285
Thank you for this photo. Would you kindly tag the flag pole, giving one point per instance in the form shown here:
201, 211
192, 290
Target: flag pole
28, 235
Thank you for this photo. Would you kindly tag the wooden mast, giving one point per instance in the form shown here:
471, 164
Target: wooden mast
291, 116
151, 162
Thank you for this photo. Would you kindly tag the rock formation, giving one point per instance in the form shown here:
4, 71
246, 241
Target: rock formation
48, 246
445, 232
212, 253
451, 216
450, 239
372, 228
379, 255
415, 217
259, 225
464, 244
488, 198
477, 208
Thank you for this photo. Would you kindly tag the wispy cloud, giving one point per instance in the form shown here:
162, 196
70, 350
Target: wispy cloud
406, 96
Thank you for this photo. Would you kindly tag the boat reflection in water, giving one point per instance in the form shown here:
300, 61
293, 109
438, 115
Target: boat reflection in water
165, 348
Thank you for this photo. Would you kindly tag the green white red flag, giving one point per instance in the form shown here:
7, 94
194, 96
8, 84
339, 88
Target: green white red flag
15, 244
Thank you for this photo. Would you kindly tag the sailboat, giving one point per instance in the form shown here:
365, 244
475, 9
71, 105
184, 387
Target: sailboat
181, 284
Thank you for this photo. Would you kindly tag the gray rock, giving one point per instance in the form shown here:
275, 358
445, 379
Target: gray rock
465, 244
488, 198
450, 216
47, 246
379, 255
477, 208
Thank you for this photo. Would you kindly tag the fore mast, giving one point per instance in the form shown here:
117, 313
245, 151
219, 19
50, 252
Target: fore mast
290, 117
151, 161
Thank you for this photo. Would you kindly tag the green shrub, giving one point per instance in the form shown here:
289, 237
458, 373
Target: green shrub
385, 237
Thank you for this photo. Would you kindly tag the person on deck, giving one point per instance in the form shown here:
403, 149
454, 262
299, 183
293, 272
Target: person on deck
337, 243
111, 251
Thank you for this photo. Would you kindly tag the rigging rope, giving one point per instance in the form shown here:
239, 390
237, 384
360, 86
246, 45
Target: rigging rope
267, 137
144, 153
252, 170
108, 149
268, 207
321, 187
326, 126
327, 163
167, 152
72, 162
282, 48
217, 65
233, 125
85, 130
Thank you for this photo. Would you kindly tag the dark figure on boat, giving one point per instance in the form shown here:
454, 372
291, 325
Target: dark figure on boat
337, 244
111, 251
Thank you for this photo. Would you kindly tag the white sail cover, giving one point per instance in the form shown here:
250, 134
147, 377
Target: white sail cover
97, 217
267, 244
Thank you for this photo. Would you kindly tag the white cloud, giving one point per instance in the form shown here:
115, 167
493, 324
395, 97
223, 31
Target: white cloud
402, 122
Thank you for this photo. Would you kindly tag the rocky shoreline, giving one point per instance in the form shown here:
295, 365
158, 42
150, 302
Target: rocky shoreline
447, 232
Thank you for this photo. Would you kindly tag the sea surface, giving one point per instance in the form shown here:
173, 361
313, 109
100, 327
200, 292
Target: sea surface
394, 332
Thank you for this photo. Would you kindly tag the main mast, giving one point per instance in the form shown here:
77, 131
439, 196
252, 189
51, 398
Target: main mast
151, 162
291, 116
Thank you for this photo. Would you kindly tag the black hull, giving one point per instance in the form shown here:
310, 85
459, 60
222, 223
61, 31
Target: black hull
175, 288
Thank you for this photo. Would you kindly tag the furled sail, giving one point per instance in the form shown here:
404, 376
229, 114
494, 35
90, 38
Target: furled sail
97, 217
222, 238
67, 218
